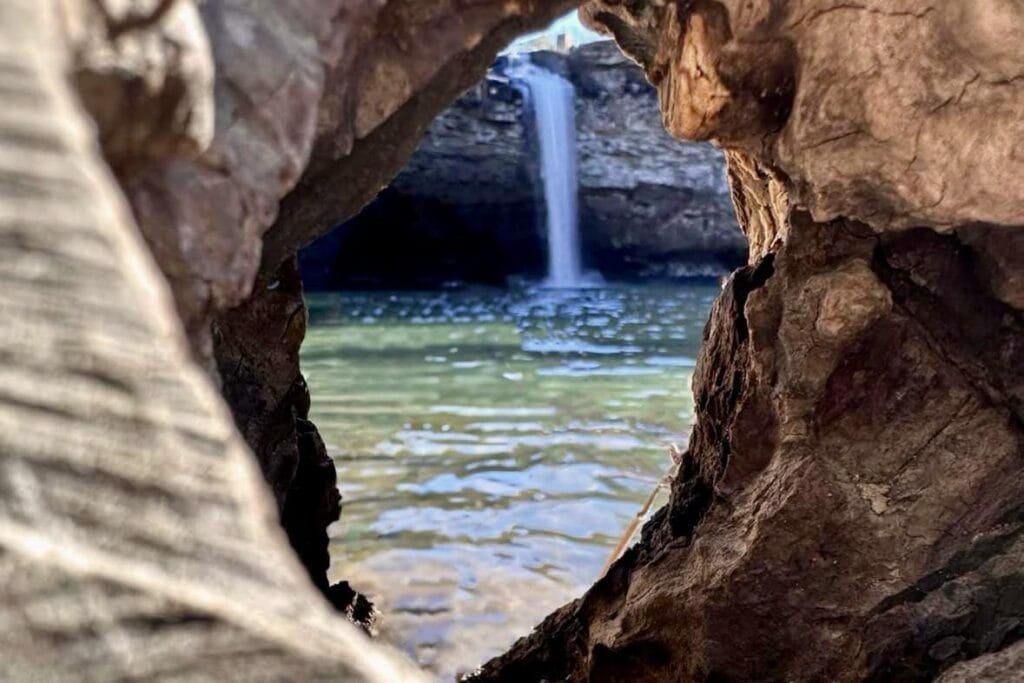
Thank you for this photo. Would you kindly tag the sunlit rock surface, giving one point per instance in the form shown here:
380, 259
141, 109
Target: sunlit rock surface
469, 205
849, 508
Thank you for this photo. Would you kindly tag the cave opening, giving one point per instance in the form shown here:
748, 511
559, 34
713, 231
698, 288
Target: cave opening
847, 507
494, 437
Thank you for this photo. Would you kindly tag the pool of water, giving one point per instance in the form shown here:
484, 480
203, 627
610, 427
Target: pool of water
492, 445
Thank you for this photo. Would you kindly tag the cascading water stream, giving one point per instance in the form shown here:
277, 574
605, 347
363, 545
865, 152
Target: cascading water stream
553, 100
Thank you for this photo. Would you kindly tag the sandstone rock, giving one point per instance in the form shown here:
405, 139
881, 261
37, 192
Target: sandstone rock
204, 165
149, 58
874, 127
257, 350
848, 506
848, 509
204, 217
298, 86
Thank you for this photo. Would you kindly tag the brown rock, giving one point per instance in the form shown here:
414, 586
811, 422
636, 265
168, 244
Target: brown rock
295, 80
257, 351
1005, 665
849, 511
849, 507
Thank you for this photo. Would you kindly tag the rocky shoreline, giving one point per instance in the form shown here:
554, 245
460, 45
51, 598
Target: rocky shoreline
469, 205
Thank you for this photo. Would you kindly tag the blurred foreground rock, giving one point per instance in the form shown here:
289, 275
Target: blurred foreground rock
137, 539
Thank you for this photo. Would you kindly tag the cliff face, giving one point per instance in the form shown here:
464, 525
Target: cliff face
463, 208
469, 205
649, 204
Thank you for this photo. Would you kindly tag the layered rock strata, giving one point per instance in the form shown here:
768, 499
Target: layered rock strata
469, 205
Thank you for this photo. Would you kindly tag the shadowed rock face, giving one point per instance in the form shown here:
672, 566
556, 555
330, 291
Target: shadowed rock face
300, 89
849, 508
469, 204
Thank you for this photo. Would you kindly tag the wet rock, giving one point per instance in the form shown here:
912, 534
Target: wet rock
469, 205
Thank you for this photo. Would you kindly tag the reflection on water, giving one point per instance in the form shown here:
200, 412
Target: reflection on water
491, 446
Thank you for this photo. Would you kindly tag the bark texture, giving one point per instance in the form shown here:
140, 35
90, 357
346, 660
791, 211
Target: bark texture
849, 508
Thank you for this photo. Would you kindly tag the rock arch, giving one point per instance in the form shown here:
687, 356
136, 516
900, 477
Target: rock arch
849, 507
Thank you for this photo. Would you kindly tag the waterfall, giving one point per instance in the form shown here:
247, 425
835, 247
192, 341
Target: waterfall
553, 100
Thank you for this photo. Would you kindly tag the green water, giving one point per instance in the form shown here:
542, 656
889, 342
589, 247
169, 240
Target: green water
492, 445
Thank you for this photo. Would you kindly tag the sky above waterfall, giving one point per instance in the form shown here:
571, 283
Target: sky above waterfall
569, 24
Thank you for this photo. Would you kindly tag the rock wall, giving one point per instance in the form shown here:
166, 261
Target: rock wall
210, 118
469, 204
650, 205
848, 508
463, 208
